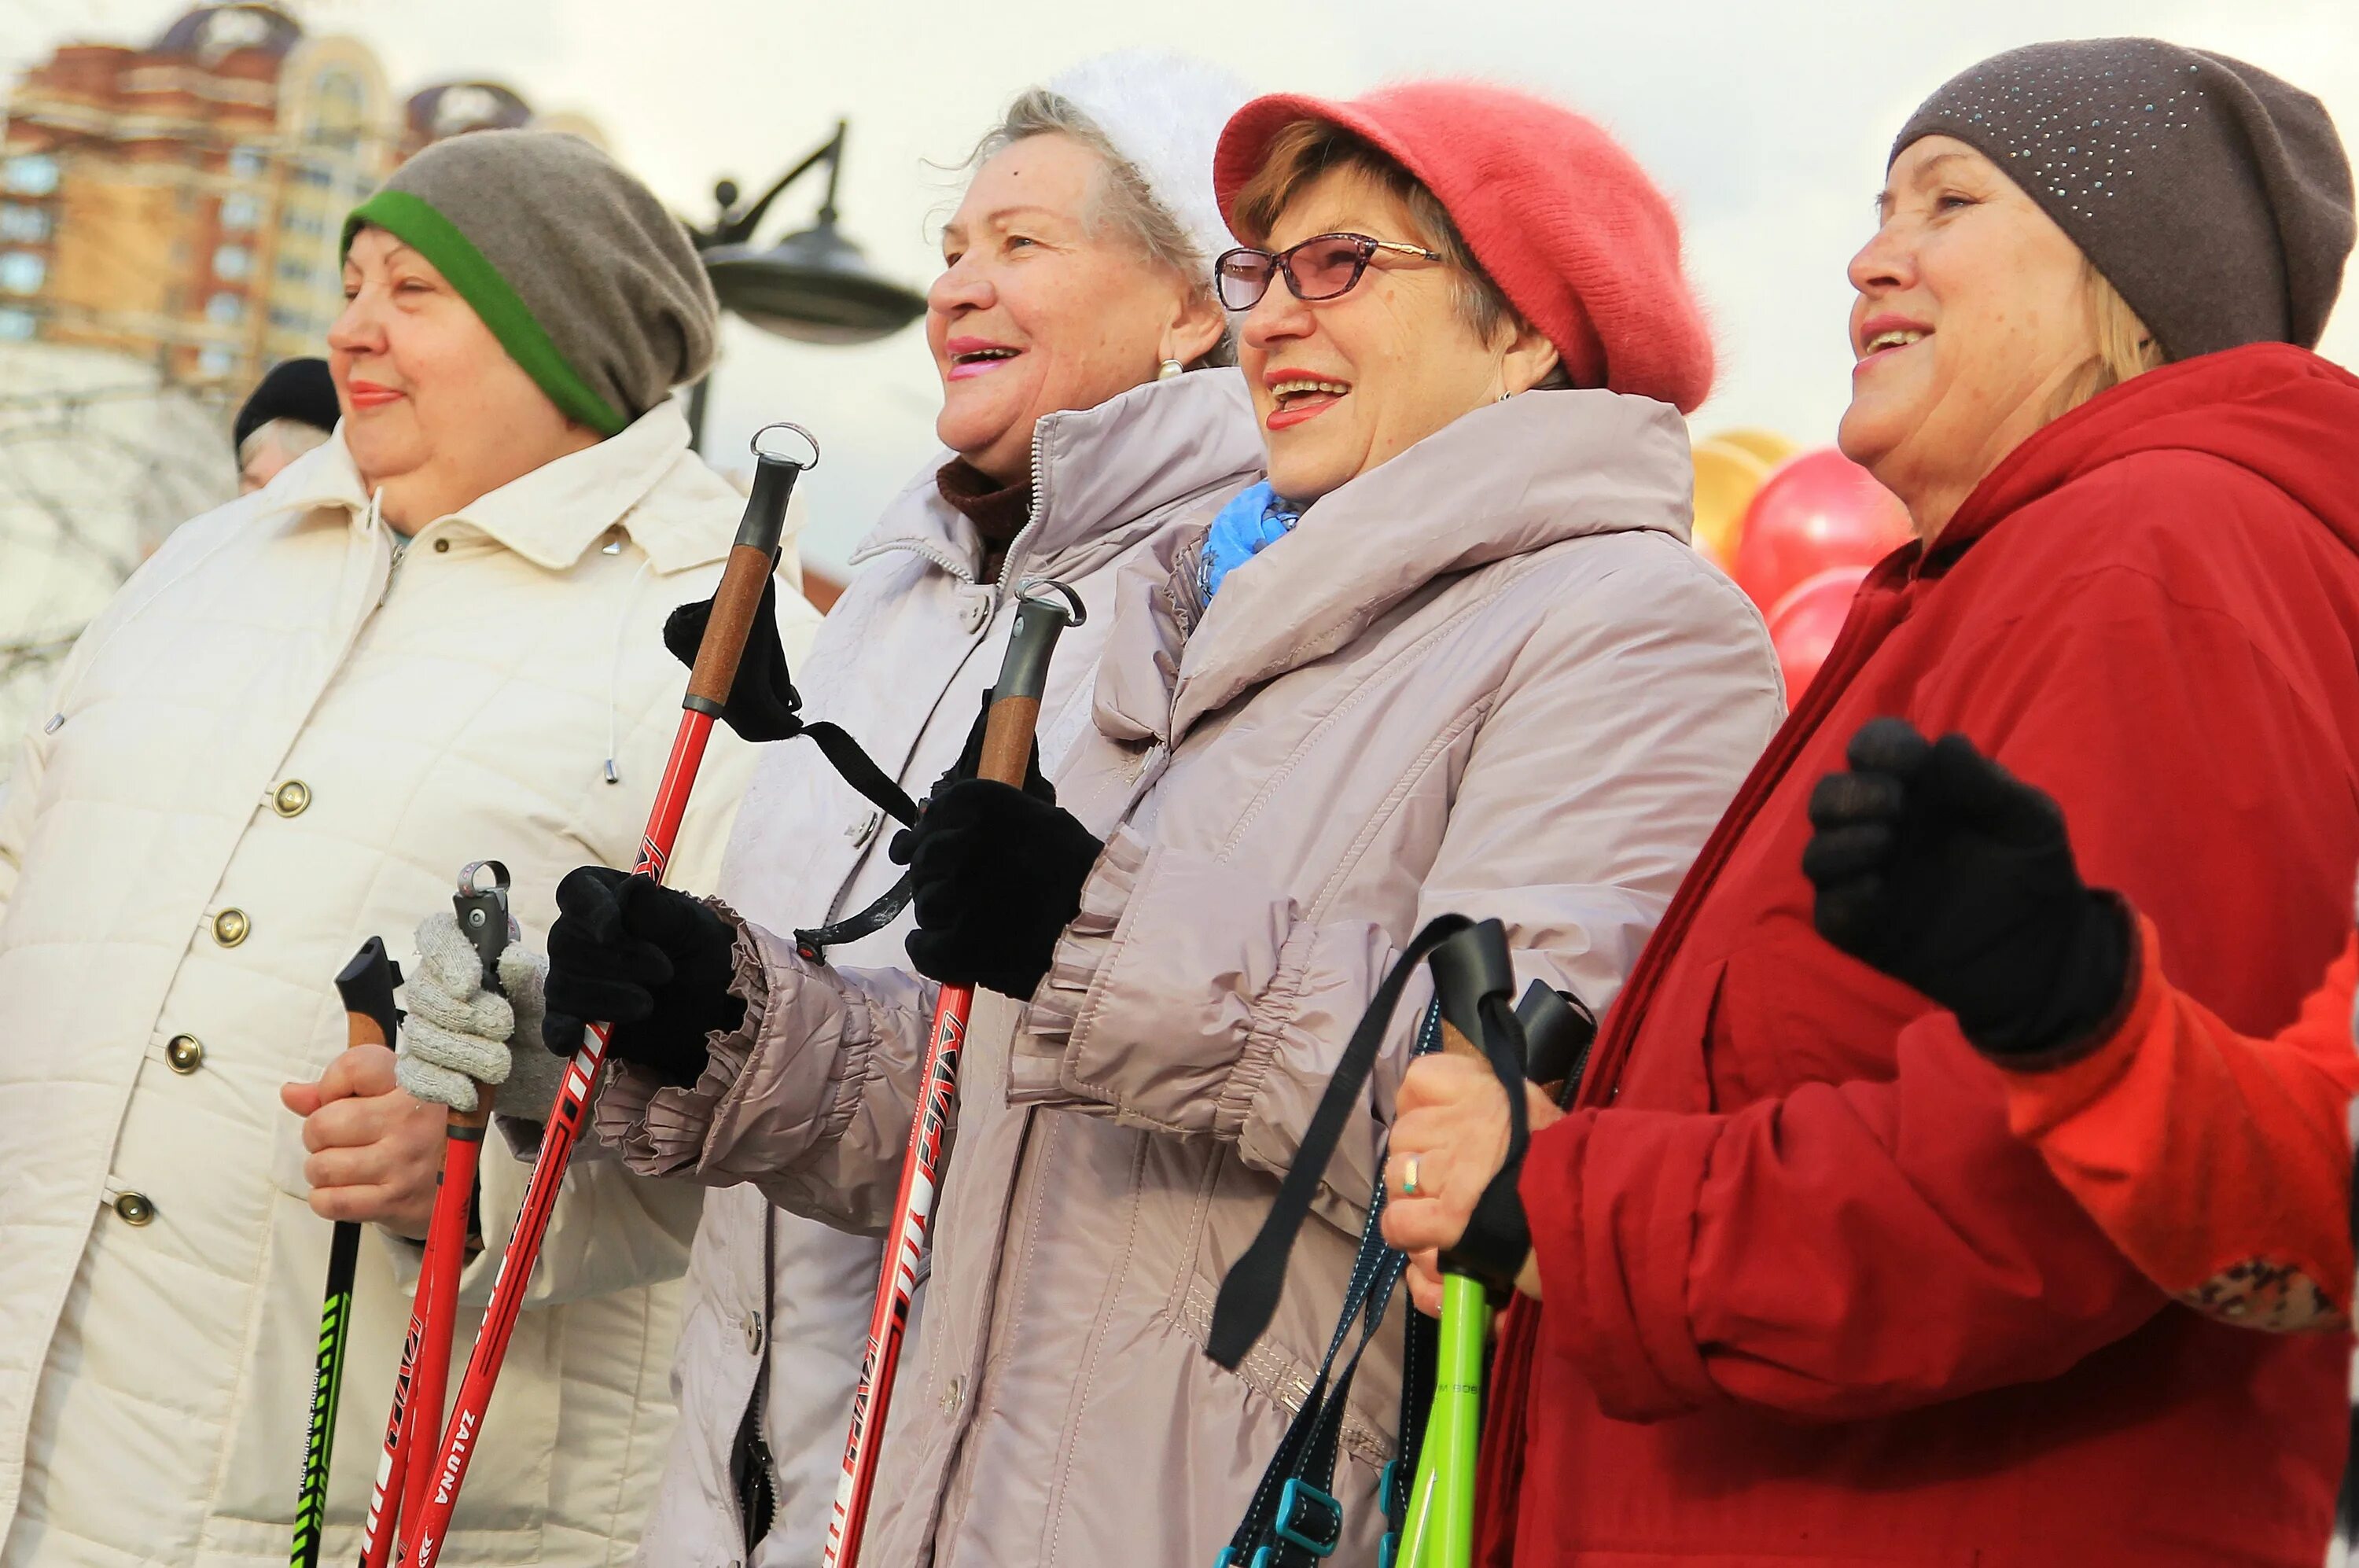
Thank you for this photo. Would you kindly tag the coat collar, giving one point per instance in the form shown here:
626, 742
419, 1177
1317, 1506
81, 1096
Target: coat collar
1092, 471
1502, 481
554, 514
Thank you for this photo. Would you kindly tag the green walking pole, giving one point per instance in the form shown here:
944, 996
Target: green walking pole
335, 1323
1440, 1531
1441, 1528
1542, 1040
366, 985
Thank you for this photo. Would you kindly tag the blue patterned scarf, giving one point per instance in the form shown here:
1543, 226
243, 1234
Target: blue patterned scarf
1254, 520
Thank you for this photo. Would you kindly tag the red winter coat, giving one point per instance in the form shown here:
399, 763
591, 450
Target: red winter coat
2219, 1164
1808, 1300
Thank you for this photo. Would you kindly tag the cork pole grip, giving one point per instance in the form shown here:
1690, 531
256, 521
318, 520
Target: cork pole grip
1453, 1043
361, 1030
1008, 740
735, 605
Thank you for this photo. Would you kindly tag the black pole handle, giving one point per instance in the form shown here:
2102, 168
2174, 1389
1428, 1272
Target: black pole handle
1043, 611
483, 916
764, 522
746, 573
366, 985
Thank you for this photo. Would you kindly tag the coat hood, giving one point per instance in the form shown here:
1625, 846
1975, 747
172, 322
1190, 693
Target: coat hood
1096, 475
2278, 412
1504, 481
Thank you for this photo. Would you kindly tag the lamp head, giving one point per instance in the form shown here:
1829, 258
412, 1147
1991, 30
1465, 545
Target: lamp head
814, 286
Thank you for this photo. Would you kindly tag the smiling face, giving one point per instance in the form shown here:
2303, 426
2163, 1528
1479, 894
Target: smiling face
436, 413
1342, 385
1972, 323
1041, 306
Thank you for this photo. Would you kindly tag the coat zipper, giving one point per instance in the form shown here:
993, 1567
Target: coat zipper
1023, 535
400, 554
400, 543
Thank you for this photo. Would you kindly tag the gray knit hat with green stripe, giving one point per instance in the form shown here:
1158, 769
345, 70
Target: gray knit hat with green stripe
575, 267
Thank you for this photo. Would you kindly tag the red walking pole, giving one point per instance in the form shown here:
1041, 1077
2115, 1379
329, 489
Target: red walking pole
1045, 610
414, 1431
734, 604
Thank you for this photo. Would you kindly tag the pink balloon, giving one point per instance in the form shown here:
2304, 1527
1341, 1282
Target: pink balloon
1804, 626
1817, 511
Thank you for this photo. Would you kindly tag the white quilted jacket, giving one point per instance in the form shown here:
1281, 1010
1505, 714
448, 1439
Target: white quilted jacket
277, 719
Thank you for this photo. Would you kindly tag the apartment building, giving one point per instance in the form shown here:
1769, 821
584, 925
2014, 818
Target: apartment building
180, 200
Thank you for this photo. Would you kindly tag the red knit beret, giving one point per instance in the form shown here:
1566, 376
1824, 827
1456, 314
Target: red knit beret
1563, 220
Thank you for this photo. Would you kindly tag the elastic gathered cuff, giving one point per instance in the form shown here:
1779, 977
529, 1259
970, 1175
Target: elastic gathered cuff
1064, 995
1241, 1092
661, 1129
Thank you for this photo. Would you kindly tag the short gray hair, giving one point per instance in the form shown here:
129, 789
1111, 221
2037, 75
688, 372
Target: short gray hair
1122, 199
293, 437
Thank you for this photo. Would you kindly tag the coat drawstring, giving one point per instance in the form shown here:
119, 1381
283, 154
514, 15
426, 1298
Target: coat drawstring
614, 686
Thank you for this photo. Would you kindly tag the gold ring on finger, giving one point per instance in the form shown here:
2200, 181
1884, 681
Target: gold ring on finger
1409, 1176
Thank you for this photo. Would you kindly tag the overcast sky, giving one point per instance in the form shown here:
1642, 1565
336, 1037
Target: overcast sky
1768, 123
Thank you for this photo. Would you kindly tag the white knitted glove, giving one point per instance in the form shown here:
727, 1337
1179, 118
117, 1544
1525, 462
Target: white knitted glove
459, 1034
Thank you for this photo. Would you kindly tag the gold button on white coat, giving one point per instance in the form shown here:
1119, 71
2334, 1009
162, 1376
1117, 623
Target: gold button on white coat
291, 799
950, 1392
134, 1208
231, 927
184, 1054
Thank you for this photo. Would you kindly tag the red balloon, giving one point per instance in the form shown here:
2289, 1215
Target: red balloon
1804, 626
1817, 511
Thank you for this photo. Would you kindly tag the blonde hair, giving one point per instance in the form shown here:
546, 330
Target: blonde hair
1301, 153
2123, 345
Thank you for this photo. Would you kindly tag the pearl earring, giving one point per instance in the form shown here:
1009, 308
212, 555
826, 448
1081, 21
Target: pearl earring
1168, 369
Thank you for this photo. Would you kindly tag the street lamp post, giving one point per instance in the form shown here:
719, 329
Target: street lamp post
814, 286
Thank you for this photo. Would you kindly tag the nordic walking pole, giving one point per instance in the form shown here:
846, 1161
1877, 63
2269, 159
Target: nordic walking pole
484, 917
366, 985
415, 1430
1440, 1533
735, 605
1440, 1527
1043, 612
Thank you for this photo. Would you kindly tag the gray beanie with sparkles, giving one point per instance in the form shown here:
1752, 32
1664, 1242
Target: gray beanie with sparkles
575, 267
2214, 197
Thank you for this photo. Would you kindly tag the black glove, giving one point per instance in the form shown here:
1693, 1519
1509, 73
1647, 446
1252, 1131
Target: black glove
655, 963
970, 761
763, 703
995, 874
1936, 866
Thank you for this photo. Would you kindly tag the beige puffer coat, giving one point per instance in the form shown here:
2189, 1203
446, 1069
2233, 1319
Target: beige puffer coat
1489, 676
901, 663
273, 744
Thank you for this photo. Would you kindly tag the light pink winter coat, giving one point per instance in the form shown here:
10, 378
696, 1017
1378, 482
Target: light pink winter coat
1488, 676
900, 662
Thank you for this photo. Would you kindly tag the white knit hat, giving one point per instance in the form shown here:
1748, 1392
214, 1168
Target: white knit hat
1164, 113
